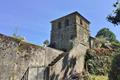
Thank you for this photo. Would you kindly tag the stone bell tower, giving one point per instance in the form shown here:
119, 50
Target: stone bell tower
69, 31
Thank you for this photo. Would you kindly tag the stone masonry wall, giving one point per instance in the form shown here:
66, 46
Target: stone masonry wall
16, 56
61, 35
70, 63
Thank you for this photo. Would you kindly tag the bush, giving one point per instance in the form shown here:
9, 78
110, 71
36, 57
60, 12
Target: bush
99, 65
115, 43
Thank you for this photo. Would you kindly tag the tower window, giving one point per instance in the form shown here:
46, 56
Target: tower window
62, 36
81, 22
72, 36
66, 22
59, 25
53, 45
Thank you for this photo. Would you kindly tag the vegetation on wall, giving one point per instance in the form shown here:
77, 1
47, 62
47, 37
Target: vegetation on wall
115, 68
99, 61
18, 37
116, 44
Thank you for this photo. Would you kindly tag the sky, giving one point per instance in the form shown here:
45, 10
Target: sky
31, 18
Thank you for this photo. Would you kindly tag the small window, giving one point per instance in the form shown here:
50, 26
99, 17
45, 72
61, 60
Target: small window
66, 22
62, 36
53, 45
81, 22
59, 25
72, 36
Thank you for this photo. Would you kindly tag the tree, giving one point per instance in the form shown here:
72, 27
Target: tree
107, 34
46, 43
115, 17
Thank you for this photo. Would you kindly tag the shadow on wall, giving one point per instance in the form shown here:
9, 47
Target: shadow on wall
54, 76
115, 68
68, 65
34, 73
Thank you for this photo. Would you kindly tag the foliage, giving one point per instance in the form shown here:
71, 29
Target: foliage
115, 68
99, 42
18, 37
101, 39
115, 17
107, 34
96, 77
99, 64
15, 35
46, 43
104, 63
116, 44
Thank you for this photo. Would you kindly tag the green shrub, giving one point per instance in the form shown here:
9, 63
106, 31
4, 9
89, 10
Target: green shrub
116, 44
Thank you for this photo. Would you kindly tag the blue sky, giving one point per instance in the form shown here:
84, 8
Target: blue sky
32, 17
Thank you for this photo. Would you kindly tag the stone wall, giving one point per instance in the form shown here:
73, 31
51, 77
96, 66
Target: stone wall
71, 62
65, 37
34, 73
61, 33
16, 56
82, 30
